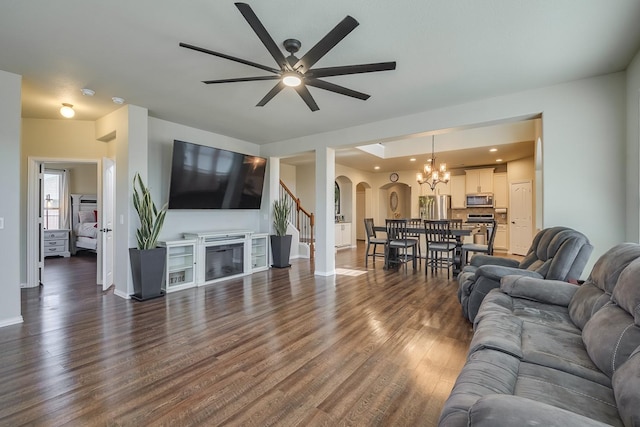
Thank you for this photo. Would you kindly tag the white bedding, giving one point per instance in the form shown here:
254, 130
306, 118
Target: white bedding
86, 243
87, 229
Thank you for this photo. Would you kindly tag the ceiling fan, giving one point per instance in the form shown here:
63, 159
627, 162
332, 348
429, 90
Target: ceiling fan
298, 72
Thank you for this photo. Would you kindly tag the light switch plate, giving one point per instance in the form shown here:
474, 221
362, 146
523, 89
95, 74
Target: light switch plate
1, 223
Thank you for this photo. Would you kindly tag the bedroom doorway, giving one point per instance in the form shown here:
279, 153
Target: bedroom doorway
88, 182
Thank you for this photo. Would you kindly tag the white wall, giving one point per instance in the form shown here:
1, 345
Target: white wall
10, 110
161, 136
583, 130
633, 151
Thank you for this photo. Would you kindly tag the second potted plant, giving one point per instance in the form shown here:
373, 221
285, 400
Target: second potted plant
147, 261
281, 241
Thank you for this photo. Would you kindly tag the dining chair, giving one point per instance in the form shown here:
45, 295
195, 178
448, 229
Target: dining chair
455, 224
480, 248
440, 249
415, 224
398, 244
372, 240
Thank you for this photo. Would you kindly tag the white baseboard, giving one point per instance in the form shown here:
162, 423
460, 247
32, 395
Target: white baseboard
12, 321
324, 273
121, 294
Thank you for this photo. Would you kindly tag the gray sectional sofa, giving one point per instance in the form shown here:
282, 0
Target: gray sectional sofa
550, 353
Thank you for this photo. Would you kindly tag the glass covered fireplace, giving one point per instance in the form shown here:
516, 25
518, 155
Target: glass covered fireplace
224, 261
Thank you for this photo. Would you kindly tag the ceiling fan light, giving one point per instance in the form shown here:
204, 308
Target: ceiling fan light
291, 79
67, 111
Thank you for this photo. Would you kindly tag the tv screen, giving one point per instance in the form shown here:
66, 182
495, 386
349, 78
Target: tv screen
211, 178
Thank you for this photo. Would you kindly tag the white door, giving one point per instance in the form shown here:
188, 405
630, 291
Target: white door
108, 177
521, 213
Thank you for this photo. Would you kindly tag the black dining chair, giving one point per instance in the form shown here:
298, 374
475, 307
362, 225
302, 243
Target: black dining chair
481, 248
440, 249
398, 244
372, 240
415, 224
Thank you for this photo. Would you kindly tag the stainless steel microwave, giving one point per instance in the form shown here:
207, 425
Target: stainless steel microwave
479, 200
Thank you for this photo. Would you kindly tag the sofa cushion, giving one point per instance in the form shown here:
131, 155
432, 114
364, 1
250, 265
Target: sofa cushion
554, 251
550, 315
610, 337
612, 334
626, 388
490, 372
597, 289
514, 411
537, 344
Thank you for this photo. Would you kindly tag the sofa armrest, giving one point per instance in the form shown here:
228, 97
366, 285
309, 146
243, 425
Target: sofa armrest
504, 410
497, 272
482, 259
554, 292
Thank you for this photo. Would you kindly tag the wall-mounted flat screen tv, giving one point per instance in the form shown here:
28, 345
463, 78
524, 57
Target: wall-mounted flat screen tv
211, 178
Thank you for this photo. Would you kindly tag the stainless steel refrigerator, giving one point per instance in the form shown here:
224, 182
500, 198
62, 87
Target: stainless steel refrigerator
435, 207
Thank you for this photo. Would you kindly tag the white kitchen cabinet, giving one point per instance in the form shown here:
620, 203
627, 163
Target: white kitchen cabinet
479, 180
259, 252
457, 186
343, 235
500, 243
181, 259
500, 190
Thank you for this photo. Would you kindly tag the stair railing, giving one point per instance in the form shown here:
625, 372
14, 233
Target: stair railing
299, 217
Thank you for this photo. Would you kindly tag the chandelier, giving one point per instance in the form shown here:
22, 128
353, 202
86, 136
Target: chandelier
432, 176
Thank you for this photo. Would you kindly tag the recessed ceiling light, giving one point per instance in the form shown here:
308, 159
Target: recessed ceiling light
87, 92
376, 167
413, 159
493, 150
117, 100
498, 160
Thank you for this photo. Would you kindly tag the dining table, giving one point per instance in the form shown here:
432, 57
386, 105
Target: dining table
457, 233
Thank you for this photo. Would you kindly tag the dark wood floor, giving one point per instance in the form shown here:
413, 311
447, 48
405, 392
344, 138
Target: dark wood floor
281, 347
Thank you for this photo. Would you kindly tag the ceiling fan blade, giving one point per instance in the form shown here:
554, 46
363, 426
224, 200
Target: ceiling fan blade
273, 92
351, 69
306, 97
263, 35
334, 36
332, 87
241, 79
231, 58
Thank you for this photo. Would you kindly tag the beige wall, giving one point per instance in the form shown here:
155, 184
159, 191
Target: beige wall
83, 177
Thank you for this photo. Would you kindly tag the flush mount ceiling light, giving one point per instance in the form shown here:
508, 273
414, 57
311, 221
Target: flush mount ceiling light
432, 176
67, 110
87, 92
117, 100
291, 79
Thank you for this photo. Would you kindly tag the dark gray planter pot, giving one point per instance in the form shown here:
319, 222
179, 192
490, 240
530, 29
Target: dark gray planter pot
281, 249
147, 269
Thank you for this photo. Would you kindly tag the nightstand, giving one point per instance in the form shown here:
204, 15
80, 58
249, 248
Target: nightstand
56, 242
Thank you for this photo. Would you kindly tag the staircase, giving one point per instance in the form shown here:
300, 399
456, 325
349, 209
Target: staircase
302, 220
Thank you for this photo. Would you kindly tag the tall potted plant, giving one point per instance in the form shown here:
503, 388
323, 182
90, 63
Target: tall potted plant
147, 261
281, 241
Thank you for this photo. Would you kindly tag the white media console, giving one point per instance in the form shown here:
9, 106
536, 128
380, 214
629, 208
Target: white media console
222, 255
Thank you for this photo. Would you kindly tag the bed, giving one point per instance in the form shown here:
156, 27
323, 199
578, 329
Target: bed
84, 216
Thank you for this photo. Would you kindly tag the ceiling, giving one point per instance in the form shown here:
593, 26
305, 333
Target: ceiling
447, 52
462, 148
